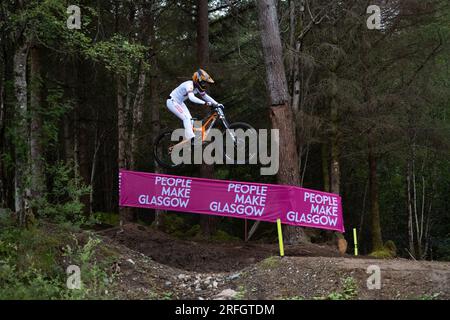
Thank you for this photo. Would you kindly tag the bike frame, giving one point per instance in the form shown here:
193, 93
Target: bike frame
209, 121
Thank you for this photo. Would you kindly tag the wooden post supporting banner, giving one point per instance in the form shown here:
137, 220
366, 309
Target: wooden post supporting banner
280, 238
253, 229
355, 240
245, 231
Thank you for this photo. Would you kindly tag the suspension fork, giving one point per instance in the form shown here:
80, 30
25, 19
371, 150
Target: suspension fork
227, 127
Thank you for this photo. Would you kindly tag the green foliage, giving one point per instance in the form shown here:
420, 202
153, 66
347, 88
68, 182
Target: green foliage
240, 294
95, 278
350, 288
51, 114
179, 227
349, 291
33, 263
44, 22
167, 296
29, 284
339, 235
109, 218
117, 54
35, 248
194, 231
175, 225
433, 296
63, 200
391, 247
222, 236
388, 251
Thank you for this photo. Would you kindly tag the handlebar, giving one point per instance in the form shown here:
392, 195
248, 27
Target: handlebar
217, 106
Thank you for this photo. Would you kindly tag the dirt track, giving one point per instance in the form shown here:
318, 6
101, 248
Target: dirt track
205, 257
156, 266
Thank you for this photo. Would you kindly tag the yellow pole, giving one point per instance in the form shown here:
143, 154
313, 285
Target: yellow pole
355, 240
280, 238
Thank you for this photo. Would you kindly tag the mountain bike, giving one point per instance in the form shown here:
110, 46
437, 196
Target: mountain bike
164, 145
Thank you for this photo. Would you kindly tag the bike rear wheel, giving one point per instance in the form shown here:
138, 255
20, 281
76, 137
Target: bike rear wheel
161, 149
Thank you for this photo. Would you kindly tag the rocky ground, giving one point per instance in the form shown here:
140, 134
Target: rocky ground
154, 266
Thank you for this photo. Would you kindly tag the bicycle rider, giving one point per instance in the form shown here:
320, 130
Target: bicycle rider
189, 89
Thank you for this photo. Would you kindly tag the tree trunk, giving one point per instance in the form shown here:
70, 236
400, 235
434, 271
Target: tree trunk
97, 144
83, 132
67, 133
36, 139
335, 166
292, 33
68, 143
155, 103
208, 224
377, 241
156, 128
325, 167
419, 251
138, 109
22, 191
122, 129
335, 174
409, 208
296, 25
281, 114
296, 79
3, 200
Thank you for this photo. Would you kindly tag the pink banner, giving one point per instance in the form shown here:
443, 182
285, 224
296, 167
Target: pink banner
266, 202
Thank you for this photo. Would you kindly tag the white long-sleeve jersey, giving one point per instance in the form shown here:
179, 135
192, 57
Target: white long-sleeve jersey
187, 90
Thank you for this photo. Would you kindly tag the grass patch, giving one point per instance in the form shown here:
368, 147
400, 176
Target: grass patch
433, 296
381, 254
241, 292
167, 296
388, 251
348, 292
270, 262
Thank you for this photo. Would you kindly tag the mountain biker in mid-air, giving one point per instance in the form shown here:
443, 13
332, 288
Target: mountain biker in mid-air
189, 89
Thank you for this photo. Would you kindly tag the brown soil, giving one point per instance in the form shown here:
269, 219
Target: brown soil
153, 265
204, 256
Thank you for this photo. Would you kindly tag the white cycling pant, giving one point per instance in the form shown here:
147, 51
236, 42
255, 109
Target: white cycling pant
182, 112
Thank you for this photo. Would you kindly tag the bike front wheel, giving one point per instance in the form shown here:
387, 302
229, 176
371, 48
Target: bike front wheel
241, 144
